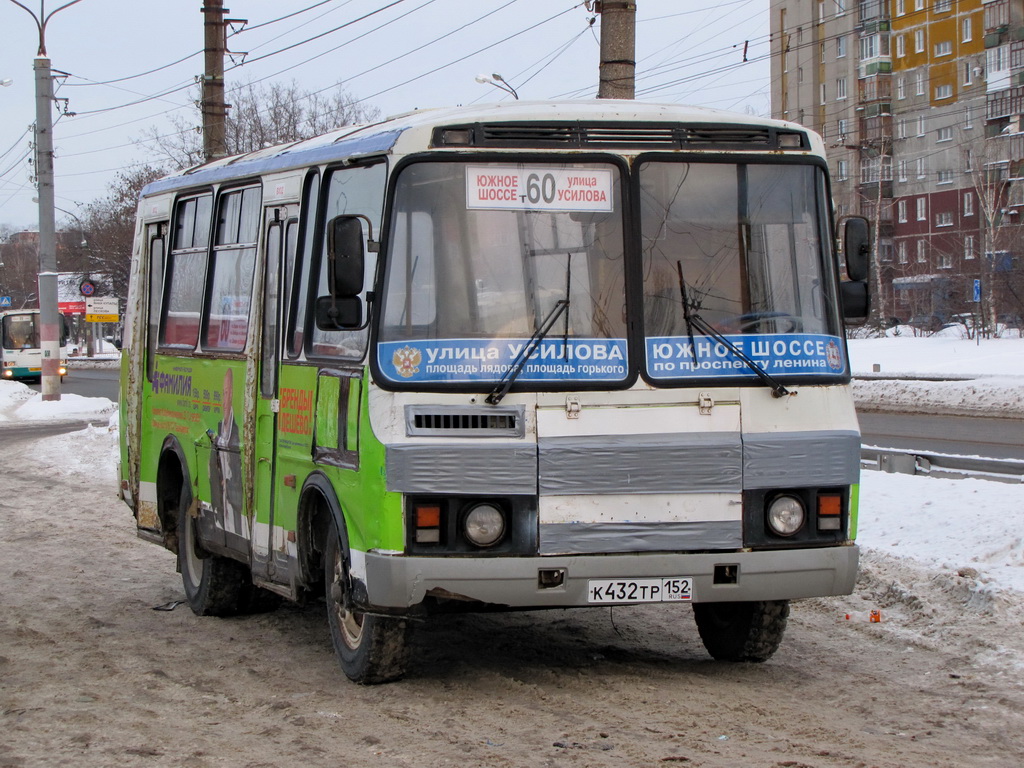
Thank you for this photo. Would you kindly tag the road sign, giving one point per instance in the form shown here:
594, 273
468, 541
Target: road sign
101, 310
977, 291
87, 288
5, 301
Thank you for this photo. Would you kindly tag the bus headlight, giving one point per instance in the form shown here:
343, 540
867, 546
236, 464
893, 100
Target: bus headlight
484, 525
786, 515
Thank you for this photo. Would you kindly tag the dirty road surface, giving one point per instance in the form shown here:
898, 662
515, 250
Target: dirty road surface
92, 675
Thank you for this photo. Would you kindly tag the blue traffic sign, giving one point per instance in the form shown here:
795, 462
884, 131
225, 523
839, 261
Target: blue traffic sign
5, 301
977, 291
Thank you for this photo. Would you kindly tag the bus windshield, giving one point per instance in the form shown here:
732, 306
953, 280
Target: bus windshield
745, 248
20, 331
480, 255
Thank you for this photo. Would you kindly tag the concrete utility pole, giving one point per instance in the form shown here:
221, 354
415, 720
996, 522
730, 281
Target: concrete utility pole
618, 49
215, 111
49, 317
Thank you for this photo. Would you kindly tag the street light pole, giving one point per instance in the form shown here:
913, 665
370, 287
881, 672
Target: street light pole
49, 317
49, 330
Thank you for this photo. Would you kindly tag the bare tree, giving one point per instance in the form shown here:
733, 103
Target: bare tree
108, 228
262, 116
989, 167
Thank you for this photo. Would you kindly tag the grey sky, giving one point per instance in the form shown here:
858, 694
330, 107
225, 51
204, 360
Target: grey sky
688, 51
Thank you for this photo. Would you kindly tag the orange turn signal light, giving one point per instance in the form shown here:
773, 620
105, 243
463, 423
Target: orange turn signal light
428, 516
830, 504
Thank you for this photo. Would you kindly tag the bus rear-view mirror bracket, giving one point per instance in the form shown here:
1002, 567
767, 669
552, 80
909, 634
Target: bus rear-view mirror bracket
343, 313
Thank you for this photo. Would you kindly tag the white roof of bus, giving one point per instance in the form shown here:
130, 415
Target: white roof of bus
411, 131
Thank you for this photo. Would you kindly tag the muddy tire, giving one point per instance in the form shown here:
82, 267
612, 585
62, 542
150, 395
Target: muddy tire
370, 649
742, 631
214, 585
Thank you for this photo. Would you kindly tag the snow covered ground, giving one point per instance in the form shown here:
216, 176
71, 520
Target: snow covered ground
947, 526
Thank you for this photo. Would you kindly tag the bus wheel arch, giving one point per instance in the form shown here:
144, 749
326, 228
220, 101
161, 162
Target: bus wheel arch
370, 648
172, 476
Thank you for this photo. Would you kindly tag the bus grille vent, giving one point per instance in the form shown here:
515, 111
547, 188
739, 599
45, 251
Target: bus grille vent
469, 421
649, 136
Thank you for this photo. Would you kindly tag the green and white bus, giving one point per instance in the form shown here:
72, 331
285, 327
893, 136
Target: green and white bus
520, 356
21, 354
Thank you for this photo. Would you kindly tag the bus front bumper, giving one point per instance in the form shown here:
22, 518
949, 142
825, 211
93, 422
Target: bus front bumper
399, 582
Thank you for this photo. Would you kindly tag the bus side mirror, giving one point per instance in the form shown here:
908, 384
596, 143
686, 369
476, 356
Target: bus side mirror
345, 258
856, 301
857, 247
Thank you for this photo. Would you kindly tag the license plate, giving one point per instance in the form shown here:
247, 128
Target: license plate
640, 590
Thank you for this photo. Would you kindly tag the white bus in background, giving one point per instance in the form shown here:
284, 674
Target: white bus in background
21, 358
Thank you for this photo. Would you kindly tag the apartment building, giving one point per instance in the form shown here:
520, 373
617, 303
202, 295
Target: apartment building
920, 104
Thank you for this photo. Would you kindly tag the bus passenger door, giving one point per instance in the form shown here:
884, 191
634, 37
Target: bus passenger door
269, 544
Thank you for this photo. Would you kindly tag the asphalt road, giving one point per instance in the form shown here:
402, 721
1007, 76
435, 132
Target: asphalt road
89, 382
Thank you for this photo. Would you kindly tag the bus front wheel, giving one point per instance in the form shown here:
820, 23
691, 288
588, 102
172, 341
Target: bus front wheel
370, 648
750, 631
214, 586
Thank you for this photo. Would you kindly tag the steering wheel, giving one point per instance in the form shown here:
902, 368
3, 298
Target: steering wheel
763, 322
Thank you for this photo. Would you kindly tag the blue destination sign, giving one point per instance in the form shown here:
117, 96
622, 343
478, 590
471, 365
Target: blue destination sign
794, 354
473, 360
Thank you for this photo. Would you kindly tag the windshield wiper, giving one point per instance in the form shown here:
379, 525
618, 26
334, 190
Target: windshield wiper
506, 382
694, 320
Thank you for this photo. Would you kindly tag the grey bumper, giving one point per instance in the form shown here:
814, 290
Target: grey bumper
395, 581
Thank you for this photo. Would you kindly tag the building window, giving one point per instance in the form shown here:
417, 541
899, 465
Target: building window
945, 48
824, 93
945, 176
922, 204
842, 124
944, 219
799, 74
843, 172
902, 171
968, 160
821, 52
968, 30
945, 134
968, 247
920, 168
901, 251
918, 5
840, 7
944, 91
919, 82
901, 7
841, 47
945, 260
901, 46
901, 88
968, 204
918, 41
968, 118
901, 211
901, 128
968, 76
840, 89
921, 256
920, 125
942, 6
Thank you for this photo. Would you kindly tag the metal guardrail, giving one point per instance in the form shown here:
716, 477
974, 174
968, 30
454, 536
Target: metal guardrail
941, 465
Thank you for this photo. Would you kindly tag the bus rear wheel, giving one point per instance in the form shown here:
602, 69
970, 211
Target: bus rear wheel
750, 631
370, 649
214, 585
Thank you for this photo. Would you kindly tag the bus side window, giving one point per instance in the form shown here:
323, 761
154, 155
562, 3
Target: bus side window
233, 264
156, 282
186, 273
296, 267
